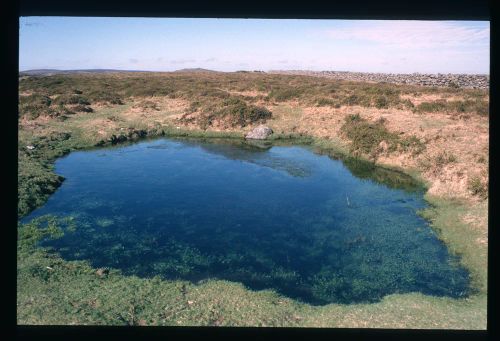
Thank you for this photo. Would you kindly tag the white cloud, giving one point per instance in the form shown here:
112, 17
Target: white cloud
414, 34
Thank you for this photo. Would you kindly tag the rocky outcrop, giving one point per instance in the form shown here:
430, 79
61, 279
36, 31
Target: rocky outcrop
259, 133
439, 80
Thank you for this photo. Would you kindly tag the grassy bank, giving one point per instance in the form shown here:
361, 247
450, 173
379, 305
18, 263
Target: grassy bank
54, 291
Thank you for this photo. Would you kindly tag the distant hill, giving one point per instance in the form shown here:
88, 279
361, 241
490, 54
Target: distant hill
196, 70
48, 72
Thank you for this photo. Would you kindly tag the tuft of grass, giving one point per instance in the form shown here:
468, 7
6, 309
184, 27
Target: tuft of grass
444, 158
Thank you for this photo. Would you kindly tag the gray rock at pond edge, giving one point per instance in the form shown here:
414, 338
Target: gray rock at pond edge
259, 133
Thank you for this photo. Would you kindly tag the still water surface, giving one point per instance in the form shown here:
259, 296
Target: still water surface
282, 218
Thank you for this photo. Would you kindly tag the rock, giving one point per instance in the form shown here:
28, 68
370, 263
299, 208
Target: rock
454, 80
30, 147
102, 272
259, 133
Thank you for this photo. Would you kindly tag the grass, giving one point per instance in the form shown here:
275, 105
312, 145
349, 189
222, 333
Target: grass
54, 291
446, 218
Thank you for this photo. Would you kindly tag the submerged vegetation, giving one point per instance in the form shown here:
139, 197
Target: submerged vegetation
62, 113
255, 239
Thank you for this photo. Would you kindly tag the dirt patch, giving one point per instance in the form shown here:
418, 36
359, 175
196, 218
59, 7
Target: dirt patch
247, 93
155, 110
420, 98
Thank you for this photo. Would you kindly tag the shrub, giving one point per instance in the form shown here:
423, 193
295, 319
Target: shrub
214, 93
478, 187
432, 106
358, 99
232, 111
477, 106
35, 99
282, 94
82, 108
71, 99
105, 97
366, 136
323, 102
381, 102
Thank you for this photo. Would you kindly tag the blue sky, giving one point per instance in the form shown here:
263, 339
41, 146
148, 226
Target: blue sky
167, 44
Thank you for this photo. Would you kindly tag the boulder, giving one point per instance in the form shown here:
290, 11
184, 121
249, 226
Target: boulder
259, 133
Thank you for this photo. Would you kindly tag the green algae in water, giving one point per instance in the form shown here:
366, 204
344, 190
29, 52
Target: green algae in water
281, 218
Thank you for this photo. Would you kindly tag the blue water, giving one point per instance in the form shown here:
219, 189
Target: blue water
282, 218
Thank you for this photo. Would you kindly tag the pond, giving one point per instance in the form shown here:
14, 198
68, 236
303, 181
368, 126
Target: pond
309, 226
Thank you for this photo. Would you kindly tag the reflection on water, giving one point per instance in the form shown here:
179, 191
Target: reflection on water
309, 226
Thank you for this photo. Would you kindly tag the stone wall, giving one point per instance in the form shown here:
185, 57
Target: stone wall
441, 80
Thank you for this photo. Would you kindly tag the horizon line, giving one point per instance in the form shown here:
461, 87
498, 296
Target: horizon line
254, 70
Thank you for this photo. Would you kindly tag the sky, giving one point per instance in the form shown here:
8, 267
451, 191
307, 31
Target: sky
168, 44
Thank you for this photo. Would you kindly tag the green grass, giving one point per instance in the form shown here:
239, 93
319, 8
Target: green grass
445, 217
